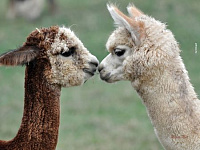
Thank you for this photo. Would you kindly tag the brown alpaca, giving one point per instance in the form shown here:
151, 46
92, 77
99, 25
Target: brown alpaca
54, 58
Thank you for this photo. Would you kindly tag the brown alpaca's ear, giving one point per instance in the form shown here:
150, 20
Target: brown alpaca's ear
19, 56
133, 26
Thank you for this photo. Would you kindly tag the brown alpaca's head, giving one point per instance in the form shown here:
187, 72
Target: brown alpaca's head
71, 64
138, 47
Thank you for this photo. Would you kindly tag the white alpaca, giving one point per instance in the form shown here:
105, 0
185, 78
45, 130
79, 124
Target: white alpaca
144, 52
54, 58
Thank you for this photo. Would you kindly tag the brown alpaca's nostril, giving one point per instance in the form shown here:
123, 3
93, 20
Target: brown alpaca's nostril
95, 63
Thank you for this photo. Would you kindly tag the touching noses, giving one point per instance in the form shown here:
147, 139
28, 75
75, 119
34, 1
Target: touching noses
100, 68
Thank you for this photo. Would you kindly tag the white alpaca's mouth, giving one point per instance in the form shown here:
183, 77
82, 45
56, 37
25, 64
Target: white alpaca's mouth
108, 77
105, 77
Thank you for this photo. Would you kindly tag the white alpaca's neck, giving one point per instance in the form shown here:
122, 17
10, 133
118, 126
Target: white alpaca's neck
173, 107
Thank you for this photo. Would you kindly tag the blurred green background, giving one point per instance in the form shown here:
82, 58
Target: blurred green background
97, 115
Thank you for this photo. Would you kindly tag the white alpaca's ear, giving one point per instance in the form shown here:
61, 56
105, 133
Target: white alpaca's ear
19, 56
121, 20
133, 11
118, 17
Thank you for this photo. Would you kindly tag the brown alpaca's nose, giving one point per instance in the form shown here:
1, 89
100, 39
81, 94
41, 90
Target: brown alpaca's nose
95, 63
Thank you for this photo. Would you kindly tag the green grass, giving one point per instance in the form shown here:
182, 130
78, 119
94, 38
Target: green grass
97, 115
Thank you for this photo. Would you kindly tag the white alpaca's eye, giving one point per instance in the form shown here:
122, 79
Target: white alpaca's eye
119, 52
70, 52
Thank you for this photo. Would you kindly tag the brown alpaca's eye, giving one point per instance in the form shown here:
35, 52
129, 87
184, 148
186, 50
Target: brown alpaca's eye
119, 52
70, 52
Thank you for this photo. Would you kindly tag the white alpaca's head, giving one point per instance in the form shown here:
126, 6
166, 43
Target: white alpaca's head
137, 47
70, 63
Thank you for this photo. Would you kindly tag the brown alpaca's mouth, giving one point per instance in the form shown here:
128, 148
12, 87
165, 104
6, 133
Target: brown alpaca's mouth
92, 69
89, 71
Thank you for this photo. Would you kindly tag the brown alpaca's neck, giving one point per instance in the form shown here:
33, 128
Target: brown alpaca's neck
40, 122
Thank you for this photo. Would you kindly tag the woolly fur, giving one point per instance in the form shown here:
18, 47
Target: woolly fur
158, 74
66, 71
54, 58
